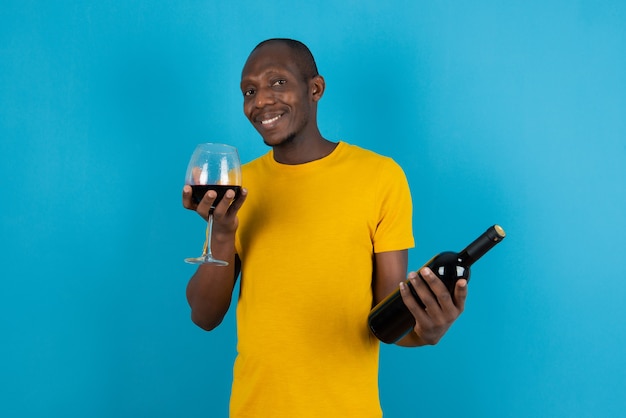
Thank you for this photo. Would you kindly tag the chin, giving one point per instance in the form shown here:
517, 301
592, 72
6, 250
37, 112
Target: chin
280, 141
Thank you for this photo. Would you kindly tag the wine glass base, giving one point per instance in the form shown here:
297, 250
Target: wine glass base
205, 259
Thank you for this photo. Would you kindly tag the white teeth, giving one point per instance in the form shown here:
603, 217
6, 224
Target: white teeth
274, 119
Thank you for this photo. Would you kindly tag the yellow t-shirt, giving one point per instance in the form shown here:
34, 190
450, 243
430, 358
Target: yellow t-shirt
306, 238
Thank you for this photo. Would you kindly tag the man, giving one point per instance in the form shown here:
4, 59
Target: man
320, 235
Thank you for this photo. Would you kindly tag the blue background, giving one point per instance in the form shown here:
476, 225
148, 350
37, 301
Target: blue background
500, 112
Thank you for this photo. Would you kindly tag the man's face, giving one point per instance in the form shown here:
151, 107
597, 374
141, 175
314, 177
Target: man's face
276, 97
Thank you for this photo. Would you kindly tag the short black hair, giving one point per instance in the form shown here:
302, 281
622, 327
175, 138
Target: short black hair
302, 53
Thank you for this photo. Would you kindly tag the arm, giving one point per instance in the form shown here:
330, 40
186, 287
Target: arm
431, 322
210, 289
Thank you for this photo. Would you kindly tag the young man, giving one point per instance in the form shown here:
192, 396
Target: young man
320, 235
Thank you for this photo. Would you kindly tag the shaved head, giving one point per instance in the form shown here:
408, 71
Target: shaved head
301, 53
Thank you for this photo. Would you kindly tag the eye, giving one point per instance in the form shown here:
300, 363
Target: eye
248, 92
279, 82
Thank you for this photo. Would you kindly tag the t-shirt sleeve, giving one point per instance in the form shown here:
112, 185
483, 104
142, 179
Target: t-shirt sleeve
394, 230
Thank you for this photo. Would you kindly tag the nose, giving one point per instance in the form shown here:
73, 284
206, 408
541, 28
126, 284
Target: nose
263, 97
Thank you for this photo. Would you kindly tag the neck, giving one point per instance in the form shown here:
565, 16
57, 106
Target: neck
303, 150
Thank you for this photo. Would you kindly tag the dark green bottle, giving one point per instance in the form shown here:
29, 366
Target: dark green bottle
390, 319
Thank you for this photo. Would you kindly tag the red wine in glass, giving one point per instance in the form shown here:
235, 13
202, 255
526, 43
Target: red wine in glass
199, 190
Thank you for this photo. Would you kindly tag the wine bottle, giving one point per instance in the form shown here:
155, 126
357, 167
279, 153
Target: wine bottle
390, 319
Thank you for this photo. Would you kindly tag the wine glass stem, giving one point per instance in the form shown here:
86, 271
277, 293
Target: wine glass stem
209, 233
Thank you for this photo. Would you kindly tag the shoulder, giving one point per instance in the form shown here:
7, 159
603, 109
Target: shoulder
355, 151
371, 159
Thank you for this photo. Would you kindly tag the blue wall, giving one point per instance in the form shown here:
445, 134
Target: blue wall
511, 113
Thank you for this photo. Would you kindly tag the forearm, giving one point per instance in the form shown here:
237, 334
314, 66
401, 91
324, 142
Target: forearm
209, 290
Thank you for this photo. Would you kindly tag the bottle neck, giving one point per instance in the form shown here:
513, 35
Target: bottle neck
481, 245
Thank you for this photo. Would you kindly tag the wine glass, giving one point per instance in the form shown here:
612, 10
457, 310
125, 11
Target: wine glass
212, 167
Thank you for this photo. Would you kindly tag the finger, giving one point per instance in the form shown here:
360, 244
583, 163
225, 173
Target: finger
460, 294
188, 202
423, 289
436, 287
205, 205
222, 206
236, 204
414, 305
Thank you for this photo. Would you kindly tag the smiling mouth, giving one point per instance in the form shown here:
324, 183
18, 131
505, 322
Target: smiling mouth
270, 120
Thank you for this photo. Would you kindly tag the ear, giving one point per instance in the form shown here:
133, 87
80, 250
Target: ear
317, 85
